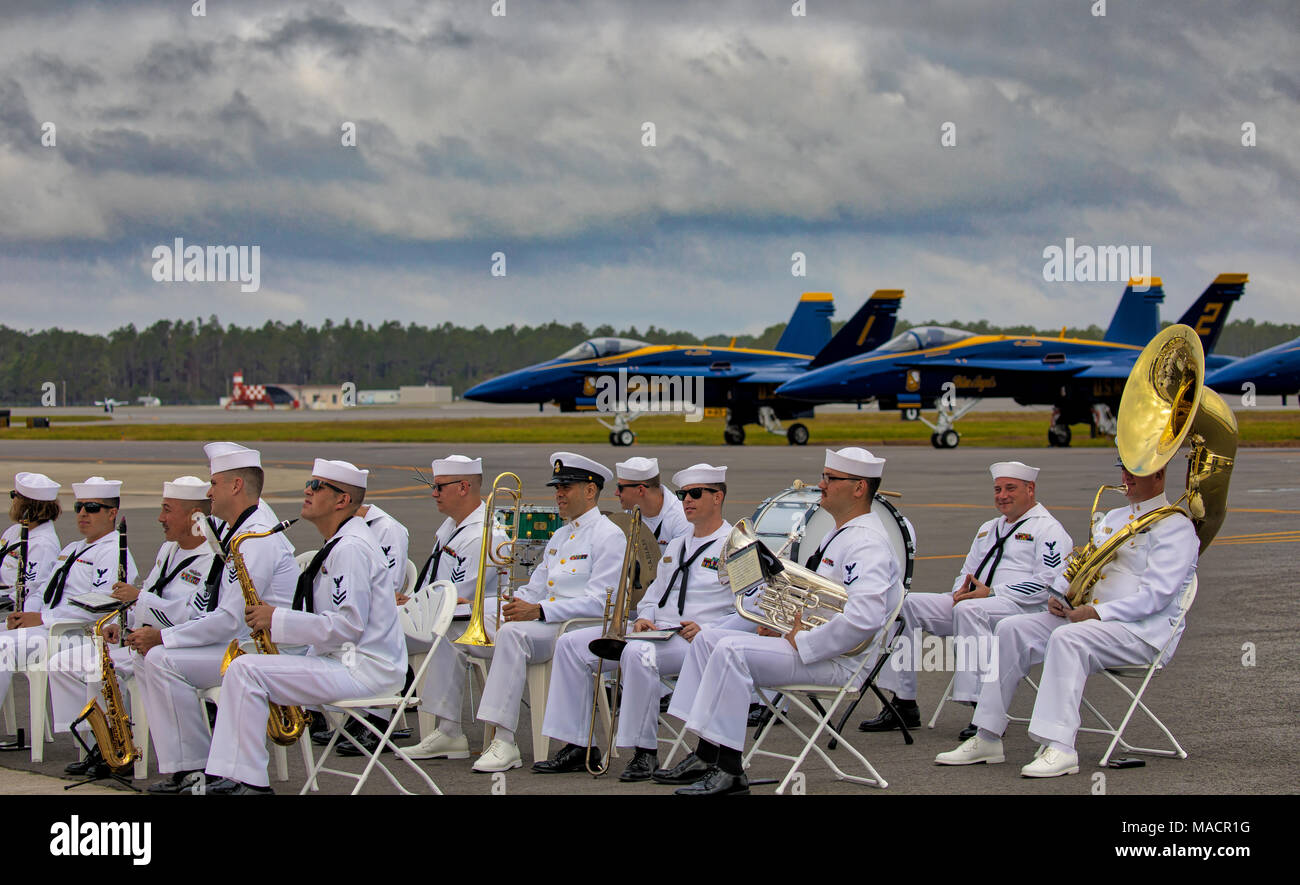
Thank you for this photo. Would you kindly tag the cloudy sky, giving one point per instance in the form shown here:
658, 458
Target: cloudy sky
524, 134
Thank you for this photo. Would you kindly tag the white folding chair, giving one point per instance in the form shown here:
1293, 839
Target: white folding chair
304, 558
426, 616
806, 698
411, 574
35, 663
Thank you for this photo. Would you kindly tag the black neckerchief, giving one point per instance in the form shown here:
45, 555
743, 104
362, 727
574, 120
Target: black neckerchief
431, 564
214, 573
165, 577
996, 548
816, 558
54, 589
683, 569
303, 597
4, 551
658, 527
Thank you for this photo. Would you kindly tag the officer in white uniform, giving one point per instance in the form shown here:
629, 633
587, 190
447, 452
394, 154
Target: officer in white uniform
84, 566
457, 490
1135, 605
35, 503
164, 598
186, 657
581, 562
1012, 562
639, 486
712, 694
685, 596
343, 610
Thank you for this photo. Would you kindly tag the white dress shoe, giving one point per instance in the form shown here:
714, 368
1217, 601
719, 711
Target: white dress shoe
499, 756
973, 750
437, 745
1052, 763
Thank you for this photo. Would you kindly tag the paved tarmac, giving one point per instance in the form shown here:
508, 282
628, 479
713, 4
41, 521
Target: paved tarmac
1230, 694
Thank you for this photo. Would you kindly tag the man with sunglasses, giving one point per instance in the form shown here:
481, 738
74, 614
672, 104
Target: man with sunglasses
457, 489
164, 598
722, 666
1012, 562
582, 560
186, 657
685, 597
343, 611
84, 566
639, 486
34, 503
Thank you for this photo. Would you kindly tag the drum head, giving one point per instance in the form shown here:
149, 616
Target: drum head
776, 516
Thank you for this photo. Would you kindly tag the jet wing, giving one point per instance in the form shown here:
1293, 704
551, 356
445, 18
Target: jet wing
732, 373
1066, 367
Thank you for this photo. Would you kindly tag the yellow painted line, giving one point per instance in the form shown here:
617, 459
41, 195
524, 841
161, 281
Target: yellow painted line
943, 556
373, 492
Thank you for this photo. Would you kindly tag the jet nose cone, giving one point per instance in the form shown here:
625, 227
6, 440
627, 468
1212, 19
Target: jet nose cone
504, 389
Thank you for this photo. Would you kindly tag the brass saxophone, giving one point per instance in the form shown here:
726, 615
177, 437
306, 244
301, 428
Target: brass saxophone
111, 726
285, 724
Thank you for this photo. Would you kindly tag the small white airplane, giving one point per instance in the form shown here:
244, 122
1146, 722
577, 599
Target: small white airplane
148, 401
110, 404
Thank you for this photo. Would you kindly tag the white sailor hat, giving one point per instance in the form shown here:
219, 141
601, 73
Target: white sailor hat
458, 465
224, 456
340, 471
699, 474
186, 488
855, 461
636, 469
567, 467
36, 486
97, 487
1014, 470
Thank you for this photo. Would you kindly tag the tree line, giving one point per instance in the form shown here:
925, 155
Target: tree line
191, 362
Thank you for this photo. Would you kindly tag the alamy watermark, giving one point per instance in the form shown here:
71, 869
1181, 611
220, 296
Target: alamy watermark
179, 263
655, 393
1098, 264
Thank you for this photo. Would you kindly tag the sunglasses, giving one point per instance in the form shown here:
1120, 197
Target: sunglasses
826, 477
90, 506
695, 494
624, 486
439, 486
315, 485
13, 494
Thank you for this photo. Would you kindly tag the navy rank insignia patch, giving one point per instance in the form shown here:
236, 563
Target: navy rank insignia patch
1052, 558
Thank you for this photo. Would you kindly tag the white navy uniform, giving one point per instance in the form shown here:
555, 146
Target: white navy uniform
166, 598
355, 649
189, 658
393, 541
582, 559
80, 568
713, 690
42, 550
670, 522
1018, 561
456, 547
1137, 601
706, 601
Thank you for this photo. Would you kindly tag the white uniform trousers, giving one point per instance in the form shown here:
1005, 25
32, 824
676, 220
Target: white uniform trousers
971, 621
721, 668
28, 645
568, 703
170, 679
1069, 653
517, 644
442, 692
76, 677
251, 685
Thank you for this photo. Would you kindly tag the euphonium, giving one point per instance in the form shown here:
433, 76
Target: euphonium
285, 724
640, 563
475, 632
110, 725
1165, 403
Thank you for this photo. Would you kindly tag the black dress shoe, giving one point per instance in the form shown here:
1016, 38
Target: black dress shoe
756, 713
887, 721
717, 782
571, 758
665, 702
641, 767
688, 771
92, 766
967, 733
228, 787
180, 783
319, 727
364, 736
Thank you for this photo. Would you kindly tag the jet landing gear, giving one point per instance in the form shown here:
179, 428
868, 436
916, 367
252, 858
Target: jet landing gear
944, 436
620, 434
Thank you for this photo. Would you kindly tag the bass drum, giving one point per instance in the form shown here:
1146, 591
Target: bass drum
778, 515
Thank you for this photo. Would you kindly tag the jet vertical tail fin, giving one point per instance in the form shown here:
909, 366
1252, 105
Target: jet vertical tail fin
1137, 317
1209, 313
866, 330
809, 328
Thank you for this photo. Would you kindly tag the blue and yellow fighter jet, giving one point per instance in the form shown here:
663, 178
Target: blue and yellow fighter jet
1275, 371
626, 378
933, 366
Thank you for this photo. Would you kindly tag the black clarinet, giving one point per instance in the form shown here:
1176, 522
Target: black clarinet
20, 582
122, 553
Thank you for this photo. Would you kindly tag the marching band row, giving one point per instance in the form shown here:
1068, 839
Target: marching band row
335, 618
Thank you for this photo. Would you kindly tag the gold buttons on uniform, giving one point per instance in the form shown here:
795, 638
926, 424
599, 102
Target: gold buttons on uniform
550, 583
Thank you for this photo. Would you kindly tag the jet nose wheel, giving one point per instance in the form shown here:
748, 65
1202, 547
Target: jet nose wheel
797, 435
734, 435
949, 439
624, 437
1058, 435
